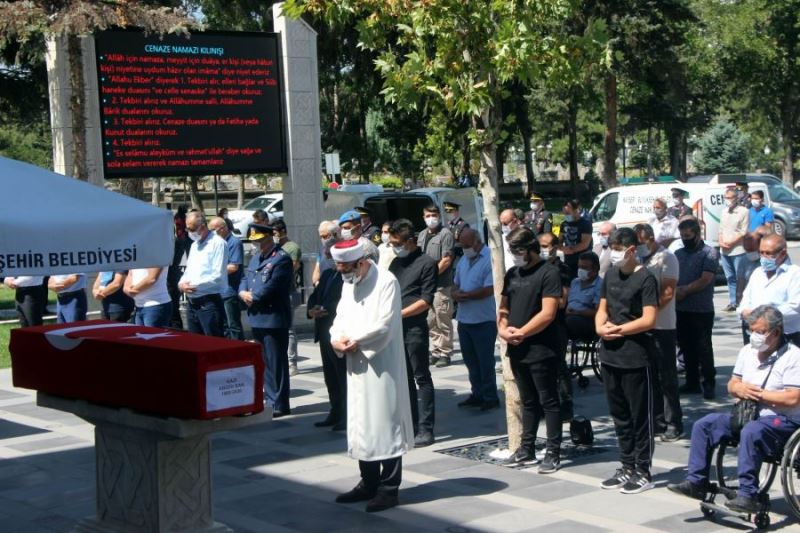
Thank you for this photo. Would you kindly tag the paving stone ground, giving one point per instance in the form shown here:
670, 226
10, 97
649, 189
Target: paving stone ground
282, 476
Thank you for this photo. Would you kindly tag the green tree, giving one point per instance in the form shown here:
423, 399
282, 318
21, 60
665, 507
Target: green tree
722, 150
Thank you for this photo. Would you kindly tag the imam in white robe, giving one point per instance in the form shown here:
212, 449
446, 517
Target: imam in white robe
378, 406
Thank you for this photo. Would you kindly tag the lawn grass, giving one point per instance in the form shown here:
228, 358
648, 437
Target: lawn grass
5, 337
7, 298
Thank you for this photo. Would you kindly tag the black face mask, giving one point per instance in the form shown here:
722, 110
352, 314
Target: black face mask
690, 244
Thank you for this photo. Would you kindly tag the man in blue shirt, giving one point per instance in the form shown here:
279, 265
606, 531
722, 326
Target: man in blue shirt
762, 220
583, 299
234, 268
205, 278
477, 320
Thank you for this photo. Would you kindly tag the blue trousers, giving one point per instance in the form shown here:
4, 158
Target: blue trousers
275, 345
206, 315
477, 349
733, 266
157, 316
72, 306
760, 439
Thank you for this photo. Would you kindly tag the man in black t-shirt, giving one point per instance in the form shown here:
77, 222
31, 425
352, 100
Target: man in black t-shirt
627, 312
526, 320
417, 274
576, 235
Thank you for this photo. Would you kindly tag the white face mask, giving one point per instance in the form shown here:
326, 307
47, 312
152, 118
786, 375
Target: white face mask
400, 251
536, 206
728, 203
617, 256
347, 234
583, 274
195, 236
506, 229
385, 238
432, 222
544, 253
470, 253
758, 341
520, 260
755, 203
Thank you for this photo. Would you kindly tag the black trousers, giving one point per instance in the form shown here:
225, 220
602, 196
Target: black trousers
30, 304
629, 392
538, 391
382, 476
423, 407
694, 338
667, 411
334, 371
206, 315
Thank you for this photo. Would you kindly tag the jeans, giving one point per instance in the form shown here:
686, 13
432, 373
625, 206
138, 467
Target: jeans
122, 315
423, 404
233, 318
72, 306
206, 315
666, 402
732, 265
477, 349
694, 338
538, 390
156, 316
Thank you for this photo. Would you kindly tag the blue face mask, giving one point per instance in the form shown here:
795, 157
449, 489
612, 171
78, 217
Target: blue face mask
768, 264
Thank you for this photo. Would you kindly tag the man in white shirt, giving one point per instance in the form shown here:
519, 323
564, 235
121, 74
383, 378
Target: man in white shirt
663, 265
601, 247
665, 226
774, 282
205, 278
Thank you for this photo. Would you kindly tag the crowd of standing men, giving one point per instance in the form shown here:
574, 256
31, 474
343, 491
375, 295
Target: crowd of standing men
640, 294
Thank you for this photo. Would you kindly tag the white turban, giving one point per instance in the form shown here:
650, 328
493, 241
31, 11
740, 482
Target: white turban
347, 251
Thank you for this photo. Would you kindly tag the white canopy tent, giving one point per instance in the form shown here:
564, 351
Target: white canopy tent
53, 224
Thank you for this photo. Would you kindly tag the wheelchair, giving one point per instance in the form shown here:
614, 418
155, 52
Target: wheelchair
583, 354
787, 463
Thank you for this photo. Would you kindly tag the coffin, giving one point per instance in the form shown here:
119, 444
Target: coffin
152, 370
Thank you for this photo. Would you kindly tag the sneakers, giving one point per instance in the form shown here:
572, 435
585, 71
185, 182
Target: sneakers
730, 309
743, 504
521, 457
442, 362
550, 463
471, 401
639, 481
672, 434
690, 490
618, 480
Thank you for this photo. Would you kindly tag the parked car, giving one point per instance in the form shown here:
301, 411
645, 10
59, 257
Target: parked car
271, 203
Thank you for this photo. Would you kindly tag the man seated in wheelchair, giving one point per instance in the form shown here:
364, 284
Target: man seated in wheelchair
767, 371
583, 299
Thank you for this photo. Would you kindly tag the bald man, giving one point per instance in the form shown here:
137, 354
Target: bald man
775, 282
601, 247
235, 267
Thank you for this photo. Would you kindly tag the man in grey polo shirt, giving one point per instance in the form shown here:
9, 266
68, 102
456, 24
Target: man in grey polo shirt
437, 242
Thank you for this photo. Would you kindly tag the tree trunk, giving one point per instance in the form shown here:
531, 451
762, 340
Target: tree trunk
488, 185
677, 155
77, 106
787, 172
649, 153
133, 187
241, 191
466, 155
610, 135
526, 143
572, 152
155, 195
500, 155
194, 193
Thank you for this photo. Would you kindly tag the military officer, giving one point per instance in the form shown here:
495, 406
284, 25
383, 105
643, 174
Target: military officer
265, 290
678, 208
538, 219
369, 230
455, 224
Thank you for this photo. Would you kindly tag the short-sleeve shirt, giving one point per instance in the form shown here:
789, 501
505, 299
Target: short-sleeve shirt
584, 298
438, 245
734, 224
235, 257
785, 375
525, 289
471, 275
663, 265
626, 296
665, 229
117, 301
571, 234
759, 217
416, 274
691, 265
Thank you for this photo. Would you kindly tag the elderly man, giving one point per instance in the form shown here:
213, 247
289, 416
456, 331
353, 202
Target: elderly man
328, 231
437, 242
774, 282
416, 273
473, 289
601, 247
509, 221
665, 226
368, 333
234, 268
663, 265
205, 278
350, 229
767, 371
265, 291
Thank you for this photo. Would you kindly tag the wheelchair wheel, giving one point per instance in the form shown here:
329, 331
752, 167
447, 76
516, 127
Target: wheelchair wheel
765, 477
790, 473
761, 520
596, 363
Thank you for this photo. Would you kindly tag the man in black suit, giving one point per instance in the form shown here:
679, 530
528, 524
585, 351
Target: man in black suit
322, 308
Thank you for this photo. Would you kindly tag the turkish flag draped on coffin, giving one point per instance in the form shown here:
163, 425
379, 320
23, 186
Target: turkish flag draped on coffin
152, 370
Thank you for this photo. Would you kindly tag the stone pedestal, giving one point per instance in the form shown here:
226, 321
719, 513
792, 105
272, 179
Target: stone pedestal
153, 473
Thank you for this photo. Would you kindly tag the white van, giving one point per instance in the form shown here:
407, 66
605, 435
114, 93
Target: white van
633, 204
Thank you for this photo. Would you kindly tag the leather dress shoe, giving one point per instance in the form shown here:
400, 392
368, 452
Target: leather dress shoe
358, 494
382, 501
329, 421
339, 426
